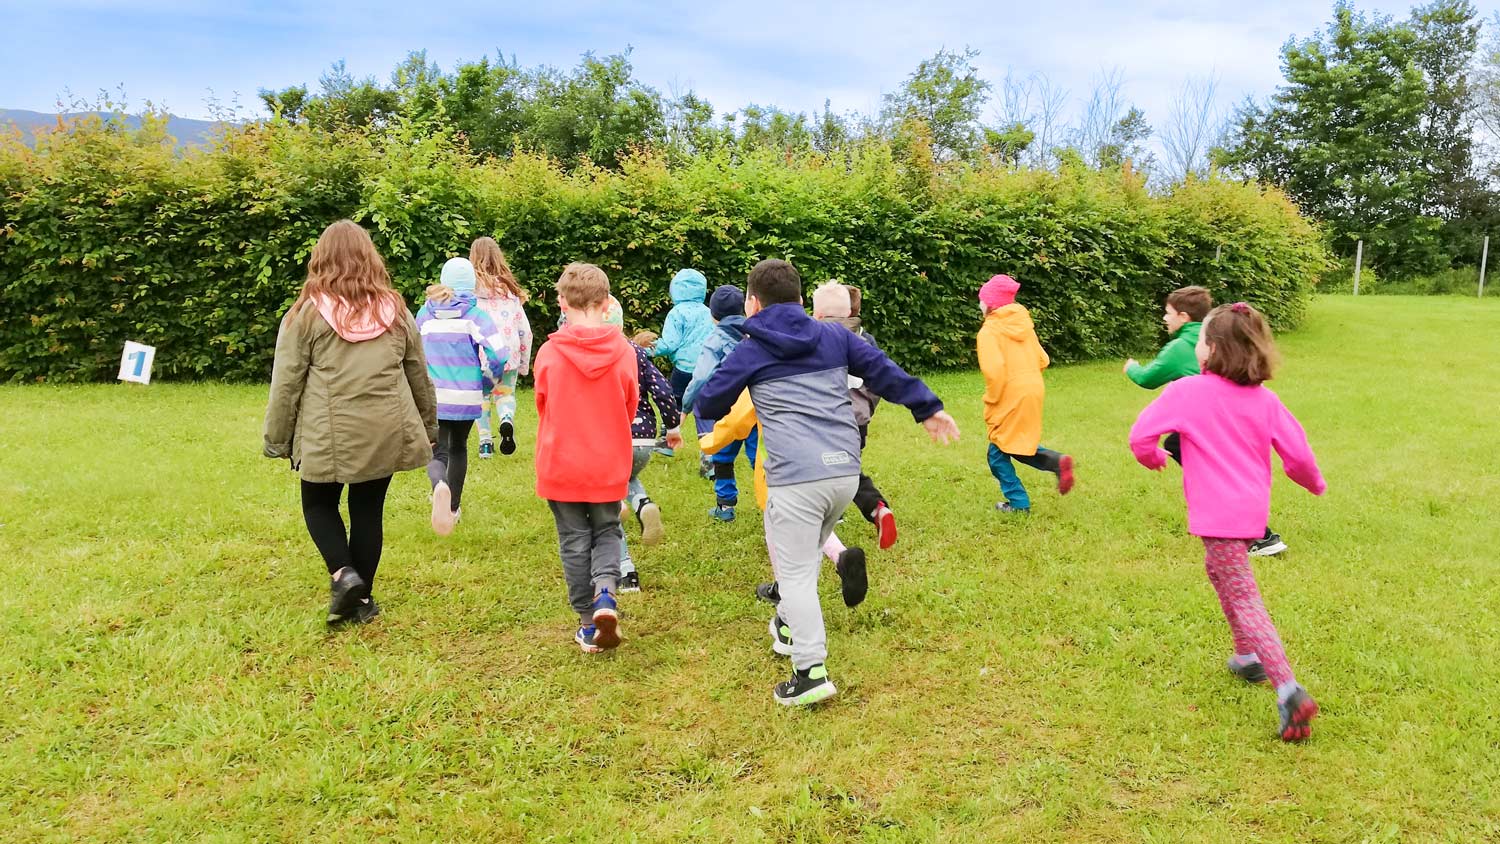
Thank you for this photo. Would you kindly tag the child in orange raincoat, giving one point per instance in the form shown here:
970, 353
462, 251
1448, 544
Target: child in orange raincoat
1012, 360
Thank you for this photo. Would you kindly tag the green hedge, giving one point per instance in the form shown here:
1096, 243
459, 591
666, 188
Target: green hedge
108, 234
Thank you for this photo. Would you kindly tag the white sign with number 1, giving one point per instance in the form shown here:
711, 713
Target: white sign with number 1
135, 364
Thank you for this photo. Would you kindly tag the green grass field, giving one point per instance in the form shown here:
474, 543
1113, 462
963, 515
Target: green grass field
166, 673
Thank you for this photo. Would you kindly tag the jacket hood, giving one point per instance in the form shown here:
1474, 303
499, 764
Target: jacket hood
734, 326
852, 323
1014, 321
688, 286
453, 308
356, 329
592, 350
785, 330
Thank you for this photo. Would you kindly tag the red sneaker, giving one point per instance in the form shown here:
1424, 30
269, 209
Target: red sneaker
1064, 475
885, 526
1297, 712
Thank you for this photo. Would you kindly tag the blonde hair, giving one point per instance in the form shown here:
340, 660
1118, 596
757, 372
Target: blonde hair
583, 286
345, 267
440, 293
492, 275
832, 299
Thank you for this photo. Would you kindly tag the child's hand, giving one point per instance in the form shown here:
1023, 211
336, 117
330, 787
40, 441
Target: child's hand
674, 439
1129, 363
941, 427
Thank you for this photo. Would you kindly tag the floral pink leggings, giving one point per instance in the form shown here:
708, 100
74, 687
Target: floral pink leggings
1228, 565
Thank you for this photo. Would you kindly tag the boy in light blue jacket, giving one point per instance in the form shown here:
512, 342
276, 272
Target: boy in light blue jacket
688, 324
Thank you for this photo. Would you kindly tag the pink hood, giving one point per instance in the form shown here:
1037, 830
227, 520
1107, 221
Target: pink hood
359, 328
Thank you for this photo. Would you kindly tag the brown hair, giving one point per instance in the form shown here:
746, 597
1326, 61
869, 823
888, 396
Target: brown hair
774, 282
345, 267
1194, 301
492, 275
583, 285
855, 296
1239, 343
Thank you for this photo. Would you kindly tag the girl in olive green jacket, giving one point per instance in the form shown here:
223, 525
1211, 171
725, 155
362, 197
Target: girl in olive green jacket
351, 404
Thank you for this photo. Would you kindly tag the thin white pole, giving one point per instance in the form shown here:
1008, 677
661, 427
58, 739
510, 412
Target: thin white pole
1484, 263
1359, 257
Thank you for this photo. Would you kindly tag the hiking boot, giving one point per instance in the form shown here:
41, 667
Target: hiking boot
781, 636
507, 437
486, 449
885, 526
769, 592
806, 687
1297, 712
852, 578
606, 621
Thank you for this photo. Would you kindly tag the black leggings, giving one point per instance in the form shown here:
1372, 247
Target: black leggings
867, 497
450, 459
360, 547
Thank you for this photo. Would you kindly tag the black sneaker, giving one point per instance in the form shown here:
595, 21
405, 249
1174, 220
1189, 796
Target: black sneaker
806, 687
852, 579
1250, 672
781, 636
1270, 546
366, 611
769, 592
630, 582
344, 592
507, 437
486, 450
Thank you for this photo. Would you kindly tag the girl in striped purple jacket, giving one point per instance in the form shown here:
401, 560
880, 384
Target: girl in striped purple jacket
466, 355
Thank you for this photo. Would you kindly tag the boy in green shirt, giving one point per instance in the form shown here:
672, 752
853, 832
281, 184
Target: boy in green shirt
1183, 316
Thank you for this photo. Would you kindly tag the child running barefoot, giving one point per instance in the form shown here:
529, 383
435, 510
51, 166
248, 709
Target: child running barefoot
502, 297
1012, 360
351, 404
586, 395
1229, 423
464, 351
835, 302
1183, 316
796, 370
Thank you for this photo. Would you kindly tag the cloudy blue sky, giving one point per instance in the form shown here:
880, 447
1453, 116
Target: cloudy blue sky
782, 52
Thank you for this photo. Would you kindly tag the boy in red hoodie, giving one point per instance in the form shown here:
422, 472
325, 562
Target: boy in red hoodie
586, 392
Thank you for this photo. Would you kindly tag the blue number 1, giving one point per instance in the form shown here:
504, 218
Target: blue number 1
140, 362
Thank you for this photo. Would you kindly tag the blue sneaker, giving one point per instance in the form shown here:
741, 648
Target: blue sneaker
722, 512
606, 621
585, 639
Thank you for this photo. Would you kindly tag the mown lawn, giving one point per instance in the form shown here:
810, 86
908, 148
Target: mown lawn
166, 673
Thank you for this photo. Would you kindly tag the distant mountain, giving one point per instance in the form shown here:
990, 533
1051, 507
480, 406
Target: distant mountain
187, 132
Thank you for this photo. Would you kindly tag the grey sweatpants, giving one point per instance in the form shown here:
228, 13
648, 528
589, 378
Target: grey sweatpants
588, 539
799, 519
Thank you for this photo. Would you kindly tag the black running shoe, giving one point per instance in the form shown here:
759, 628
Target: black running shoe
806, 687
366, 611
630, 582
769, 592
852, 579
1250, 672
1270, 546
781, 636
507, 437
344, 592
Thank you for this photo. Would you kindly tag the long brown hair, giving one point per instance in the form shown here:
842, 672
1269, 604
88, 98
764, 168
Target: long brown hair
1239, 342
492, 273
345, 267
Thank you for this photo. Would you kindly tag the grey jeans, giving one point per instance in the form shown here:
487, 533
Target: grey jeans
799, 518
589, 542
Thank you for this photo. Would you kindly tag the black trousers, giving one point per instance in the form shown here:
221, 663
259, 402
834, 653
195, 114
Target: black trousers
360, 547
867, 497
450, 458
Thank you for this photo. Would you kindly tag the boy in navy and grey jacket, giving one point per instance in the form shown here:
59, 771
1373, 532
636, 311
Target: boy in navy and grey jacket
727, 304
797, 371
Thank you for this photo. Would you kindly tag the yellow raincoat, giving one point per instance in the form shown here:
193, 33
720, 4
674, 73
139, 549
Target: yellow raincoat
1012, 360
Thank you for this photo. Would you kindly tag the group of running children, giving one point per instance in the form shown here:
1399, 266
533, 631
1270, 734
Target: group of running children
793, 392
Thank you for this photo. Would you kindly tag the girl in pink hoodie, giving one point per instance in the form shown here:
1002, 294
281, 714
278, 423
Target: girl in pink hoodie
1229, 424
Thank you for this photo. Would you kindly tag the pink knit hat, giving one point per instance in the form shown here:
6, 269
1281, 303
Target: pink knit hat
998, 292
